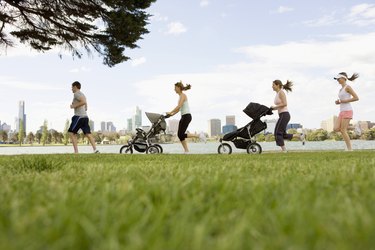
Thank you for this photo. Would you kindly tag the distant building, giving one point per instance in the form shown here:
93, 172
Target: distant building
129, 124
214, 127
293, 126
5, 127
21, 116
328, 124
230, 120
173, 126
137, 119
111, 127
271, 124
92, 125
229, 128
103, 127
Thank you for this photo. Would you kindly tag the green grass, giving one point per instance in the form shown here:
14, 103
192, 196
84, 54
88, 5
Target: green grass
318, 200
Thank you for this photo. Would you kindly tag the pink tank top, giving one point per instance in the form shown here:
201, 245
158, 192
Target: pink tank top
278, 101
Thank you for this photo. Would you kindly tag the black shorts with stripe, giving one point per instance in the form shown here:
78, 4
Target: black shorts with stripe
79, 123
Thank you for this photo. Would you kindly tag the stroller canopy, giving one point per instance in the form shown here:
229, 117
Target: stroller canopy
153, 117
158, 122
256, 110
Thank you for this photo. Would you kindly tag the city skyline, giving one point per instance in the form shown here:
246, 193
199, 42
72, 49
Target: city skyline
230, 120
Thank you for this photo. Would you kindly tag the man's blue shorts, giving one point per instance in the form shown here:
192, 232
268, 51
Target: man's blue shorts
79, 123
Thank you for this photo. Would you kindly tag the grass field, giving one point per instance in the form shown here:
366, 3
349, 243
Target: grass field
319, 200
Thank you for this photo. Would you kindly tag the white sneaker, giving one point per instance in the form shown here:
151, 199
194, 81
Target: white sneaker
202, 137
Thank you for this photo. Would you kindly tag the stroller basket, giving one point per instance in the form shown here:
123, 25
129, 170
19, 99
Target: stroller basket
241, 143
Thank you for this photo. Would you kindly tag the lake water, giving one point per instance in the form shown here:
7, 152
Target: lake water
195, 148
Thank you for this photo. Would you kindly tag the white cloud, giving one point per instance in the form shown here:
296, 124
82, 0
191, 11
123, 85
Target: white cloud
362, 15
176, 28
15, 84
359, 15
204, 3
326, 20
80, 69
284, 9
157, 17
310, 64
138, 61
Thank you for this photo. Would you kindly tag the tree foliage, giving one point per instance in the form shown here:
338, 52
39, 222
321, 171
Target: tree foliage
107, 27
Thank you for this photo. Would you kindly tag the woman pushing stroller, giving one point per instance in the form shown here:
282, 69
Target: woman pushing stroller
183, 107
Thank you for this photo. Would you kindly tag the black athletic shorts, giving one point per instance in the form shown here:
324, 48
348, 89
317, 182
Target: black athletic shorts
79, 123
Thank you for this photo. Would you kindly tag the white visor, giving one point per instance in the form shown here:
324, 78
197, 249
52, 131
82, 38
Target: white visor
340, 76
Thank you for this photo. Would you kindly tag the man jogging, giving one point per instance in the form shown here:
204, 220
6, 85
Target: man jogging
80, 119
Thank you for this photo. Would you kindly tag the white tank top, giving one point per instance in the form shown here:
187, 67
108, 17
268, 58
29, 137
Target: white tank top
343, 95
278, 101
185, 108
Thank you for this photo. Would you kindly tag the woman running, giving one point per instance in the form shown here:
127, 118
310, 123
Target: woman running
281, 106
346, 96
183, 107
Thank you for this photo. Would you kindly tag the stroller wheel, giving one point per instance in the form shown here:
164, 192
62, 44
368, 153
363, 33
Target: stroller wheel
153, 149
224, 148
159, 147
254, 148
127, 149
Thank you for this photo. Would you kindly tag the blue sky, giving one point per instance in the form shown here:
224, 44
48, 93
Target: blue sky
230, 51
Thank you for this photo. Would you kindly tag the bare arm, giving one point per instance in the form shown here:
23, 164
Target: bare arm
81, 102
179, 105
283, 103
353, 94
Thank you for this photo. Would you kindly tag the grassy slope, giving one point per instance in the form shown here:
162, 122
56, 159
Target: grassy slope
315, 200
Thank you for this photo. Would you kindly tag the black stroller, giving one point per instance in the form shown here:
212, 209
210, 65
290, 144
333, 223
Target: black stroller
244, 137
141, 141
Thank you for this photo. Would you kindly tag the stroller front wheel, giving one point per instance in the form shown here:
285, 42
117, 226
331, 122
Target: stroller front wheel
127, 149
254, 148
224, 148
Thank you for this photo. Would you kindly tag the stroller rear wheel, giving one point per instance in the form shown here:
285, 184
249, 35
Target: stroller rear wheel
153, 149
159, 147
254, 148
224, 148
127, 149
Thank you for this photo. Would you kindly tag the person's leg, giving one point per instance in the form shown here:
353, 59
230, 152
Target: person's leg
280, 130
182, 127
344, 132
87, 131
73, 137
73, 129
92, 141
337, 125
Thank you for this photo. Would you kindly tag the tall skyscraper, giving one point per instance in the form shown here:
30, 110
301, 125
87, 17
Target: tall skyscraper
214, 127
137, 118
129, 124
92, 125
21, 117
111, 127
103, 127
